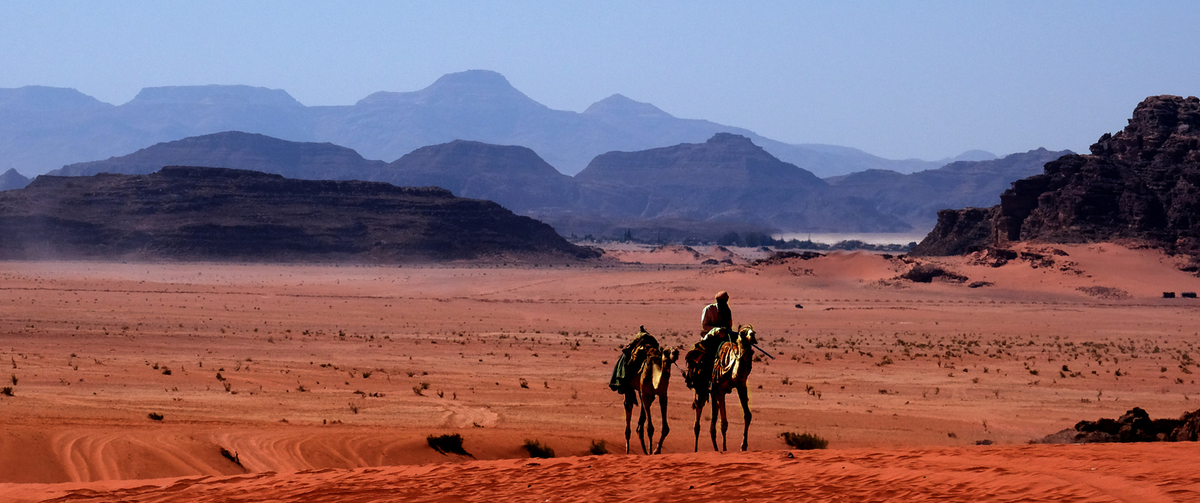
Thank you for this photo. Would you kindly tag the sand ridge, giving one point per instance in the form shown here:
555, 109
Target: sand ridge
1111, 472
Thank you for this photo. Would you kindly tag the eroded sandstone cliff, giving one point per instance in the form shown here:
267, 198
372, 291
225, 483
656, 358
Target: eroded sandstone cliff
1142, 183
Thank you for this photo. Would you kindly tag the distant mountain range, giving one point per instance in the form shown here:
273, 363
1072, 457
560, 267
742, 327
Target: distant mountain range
190, 213
916, 198
43, 128
699, 190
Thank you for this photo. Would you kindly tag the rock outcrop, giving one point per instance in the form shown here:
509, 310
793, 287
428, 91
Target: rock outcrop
959, 232
1134, 425
191, 213
1141, 183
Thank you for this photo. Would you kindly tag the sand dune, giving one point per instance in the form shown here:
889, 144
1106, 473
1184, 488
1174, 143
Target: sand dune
325, 381
1112, 472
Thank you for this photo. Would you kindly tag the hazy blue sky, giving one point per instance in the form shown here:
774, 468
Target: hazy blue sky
897, 79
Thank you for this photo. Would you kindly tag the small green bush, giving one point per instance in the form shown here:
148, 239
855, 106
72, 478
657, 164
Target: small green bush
538, 450
444, 444
804, 441
598, 447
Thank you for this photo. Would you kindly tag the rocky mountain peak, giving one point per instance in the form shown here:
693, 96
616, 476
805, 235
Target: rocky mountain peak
43, 98
469, 88
620, 106
973, 156
472, 156
473, 79
732, 140
235, 149
12, 180
214, 95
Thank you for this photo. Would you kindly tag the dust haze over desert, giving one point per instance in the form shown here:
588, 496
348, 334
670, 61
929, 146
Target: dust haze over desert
395, 252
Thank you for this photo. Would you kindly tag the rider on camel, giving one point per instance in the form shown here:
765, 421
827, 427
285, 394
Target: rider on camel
717, 321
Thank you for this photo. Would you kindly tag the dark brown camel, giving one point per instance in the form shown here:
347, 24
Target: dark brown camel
732, 366
648, 382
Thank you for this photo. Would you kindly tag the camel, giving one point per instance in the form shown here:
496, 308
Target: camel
731, 367
650, 381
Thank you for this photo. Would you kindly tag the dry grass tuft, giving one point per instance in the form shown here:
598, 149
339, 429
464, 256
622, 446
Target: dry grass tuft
444, 444
804, 441
538, 450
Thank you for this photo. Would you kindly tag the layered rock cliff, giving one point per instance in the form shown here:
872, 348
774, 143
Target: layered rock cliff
1141, 183
190, 213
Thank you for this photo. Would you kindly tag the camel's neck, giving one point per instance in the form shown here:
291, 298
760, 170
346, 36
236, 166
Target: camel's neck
745, 358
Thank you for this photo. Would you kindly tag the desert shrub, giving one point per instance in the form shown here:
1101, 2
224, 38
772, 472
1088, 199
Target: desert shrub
804, 441
6, 391
538, 450
598, 447
524, 383
444, 444
232, 456
155, 416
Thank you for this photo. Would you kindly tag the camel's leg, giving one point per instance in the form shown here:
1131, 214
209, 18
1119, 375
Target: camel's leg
744, 396
724, 425
698, 406
646, 417
717, 407
628, 417
662, 403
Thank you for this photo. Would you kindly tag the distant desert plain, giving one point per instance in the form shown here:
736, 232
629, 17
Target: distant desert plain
322, 382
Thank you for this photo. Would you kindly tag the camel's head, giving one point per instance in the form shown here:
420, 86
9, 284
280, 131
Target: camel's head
669, 355
746, 335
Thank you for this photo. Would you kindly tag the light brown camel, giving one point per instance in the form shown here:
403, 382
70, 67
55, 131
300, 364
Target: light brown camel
732, 366
648, 382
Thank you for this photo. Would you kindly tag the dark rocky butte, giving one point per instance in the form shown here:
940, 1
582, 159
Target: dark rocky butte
190, 213
1142, 183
